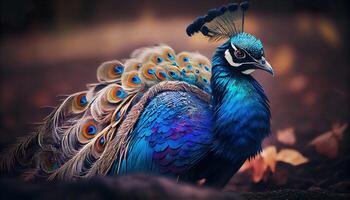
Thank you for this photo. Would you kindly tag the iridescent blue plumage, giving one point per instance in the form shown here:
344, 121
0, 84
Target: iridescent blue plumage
163, 113
171, 136
182, 136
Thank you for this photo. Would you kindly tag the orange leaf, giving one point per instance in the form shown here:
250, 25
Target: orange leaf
246, 165
326, 145
269, 155
286, 136
338, 130
291, 156
259, 167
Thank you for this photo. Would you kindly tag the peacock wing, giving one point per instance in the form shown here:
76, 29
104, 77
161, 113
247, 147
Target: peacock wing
172, 134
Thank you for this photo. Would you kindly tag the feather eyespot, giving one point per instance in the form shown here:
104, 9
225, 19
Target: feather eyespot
161, 74
149, 72
197, 71
205, 80
170, 56
100, 144
185, 59
173, 75
135, 79
80, 102
118, 69
189, 66
116, 94
206, 68
89, 130
83, 100
131, 80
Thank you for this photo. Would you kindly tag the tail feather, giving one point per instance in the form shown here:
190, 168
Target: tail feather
71, 143
19, 155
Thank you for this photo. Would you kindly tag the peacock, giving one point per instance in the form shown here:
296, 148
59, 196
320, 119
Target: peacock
159, 112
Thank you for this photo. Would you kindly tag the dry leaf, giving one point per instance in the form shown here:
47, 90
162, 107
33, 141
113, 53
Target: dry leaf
261, 164
269, 155
327, 143
291, 156
259, 167
286, 136
338, 130
246, 165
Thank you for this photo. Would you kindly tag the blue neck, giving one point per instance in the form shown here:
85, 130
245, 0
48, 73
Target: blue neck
241, 111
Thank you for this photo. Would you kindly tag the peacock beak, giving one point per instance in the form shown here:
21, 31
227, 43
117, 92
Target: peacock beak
264, 65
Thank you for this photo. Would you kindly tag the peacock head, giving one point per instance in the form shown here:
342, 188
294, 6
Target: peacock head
246, 54
242, 52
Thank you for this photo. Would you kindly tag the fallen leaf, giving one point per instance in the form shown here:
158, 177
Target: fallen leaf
246, 165
286, 136
326, 144
291, 156
269, 155
338, 130
261, 164
259, 168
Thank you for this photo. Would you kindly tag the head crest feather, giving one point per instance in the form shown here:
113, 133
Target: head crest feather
220, 23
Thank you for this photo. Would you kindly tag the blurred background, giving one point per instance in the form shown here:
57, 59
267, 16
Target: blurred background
51, 48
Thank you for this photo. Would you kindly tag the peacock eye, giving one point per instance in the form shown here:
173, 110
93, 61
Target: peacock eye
118, 69
159, 59
150, 71
83, 100
136, 79
205, 80
239, 54
170, 56
91, 130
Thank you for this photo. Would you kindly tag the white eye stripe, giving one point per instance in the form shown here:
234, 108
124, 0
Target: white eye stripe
233, 46
230, 60
248, 71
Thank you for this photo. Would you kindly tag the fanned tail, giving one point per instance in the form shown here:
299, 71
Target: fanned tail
71, 142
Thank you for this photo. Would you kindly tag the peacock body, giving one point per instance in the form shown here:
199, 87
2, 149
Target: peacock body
159, 112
